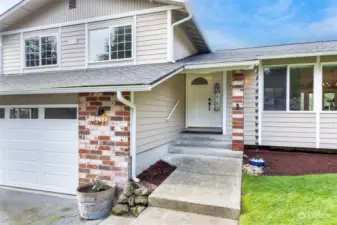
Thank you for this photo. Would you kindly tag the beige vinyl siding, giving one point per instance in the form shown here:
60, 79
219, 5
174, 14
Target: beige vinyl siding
287, 61
47, 99
249, 106
11, 58
289, 129
73, 55
151, 38
328, 130
58, 11
153, 108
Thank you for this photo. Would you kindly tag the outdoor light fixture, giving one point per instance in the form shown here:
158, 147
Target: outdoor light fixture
101, 116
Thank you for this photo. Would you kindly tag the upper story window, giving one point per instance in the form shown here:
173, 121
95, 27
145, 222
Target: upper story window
41, 51
112, 43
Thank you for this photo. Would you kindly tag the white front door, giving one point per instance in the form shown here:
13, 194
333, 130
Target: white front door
204, 105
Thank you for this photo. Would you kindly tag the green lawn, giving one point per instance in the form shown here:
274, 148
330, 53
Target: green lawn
276, 200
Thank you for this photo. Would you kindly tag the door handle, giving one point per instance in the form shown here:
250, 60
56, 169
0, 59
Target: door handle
209, 104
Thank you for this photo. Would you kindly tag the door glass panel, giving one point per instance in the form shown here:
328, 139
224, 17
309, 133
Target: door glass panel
217, 97
200, 81
24, 113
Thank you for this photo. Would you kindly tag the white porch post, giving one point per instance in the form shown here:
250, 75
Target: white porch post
224, 103
318, 88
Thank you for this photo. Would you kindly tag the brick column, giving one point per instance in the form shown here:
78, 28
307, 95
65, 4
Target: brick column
104, 147
237, 111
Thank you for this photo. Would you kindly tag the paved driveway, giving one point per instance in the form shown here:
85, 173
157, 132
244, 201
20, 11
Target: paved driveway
21, 208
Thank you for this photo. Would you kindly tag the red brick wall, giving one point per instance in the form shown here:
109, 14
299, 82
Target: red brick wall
104, 147
238, 111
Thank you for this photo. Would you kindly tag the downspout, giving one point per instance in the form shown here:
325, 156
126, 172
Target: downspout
189, 17
132, 133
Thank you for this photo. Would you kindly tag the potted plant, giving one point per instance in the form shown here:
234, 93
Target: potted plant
95, 200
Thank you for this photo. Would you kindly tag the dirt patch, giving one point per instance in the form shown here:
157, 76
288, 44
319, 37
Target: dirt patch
156, 174
295, 163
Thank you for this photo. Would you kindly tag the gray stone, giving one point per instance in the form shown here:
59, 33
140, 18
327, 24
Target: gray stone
137, 210
128, 189
142, 191
122, 199
141, 200
120, 209
131, 201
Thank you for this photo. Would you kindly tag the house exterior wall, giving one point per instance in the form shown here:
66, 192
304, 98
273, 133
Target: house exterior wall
153, 107
150, 35
58, 11
183, 47
104, 147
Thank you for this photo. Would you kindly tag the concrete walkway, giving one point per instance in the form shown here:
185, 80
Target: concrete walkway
203, 190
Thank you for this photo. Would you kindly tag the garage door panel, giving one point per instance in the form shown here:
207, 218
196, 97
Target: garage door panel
23, 177
23, 135
61, 170
24, 166
60, 147
59, 135
59, 158
39, 153
23, 155
24, 145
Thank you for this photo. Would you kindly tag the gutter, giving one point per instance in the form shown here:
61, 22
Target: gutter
189, 17
132, 134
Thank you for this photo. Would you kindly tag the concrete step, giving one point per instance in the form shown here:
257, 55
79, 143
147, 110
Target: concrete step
199, 193
158, 216
202, 143
205, 151
212, 165
206, 137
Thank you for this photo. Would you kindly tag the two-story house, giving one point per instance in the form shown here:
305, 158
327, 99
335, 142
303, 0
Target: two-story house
102, 87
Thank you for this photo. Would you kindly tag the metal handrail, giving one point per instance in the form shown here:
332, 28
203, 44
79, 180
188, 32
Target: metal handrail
174, 108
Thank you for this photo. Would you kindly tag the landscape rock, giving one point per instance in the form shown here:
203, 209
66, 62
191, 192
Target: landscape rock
137, 210
120, 209
131, 200
128, 189
142, 191
122, 199
141, 200
253, 170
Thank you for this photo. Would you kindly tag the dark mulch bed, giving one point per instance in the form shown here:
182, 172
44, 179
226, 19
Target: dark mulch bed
295, 163
156, 174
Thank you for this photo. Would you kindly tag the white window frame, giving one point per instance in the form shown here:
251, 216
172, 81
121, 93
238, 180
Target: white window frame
109, 28
30, 113
288, 67
40, 58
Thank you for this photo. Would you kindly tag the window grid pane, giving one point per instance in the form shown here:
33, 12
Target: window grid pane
48, 50
24, 113
99, 45
121, 42
32, 52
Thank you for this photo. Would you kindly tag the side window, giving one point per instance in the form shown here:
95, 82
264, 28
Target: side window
60, 113
275, 89
24, 113
2, 113
41, 51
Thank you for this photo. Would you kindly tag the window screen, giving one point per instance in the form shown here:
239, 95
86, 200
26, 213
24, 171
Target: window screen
2, 113
275, 89
60, 113
24, 113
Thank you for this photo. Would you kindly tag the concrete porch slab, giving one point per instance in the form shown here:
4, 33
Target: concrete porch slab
212, 165
157, 216
114, 220
200, 193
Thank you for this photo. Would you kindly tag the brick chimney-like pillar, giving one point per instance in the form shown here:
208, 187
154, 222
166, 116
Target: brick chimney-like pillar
238, 111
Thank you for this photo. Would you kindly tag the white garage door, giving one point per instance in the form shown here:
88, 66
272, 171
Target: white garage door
38, 148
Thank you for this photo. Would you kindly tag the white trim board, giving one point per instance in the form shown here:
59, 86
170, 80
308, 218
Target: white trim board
95, 19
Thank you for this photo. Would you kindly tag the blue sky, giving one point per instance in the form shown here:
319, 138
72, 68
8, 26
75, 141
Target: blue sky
245, 23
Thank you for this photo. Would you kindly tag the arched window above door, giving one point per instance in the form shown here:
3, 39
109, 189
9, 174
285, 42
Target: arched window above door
199, 81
